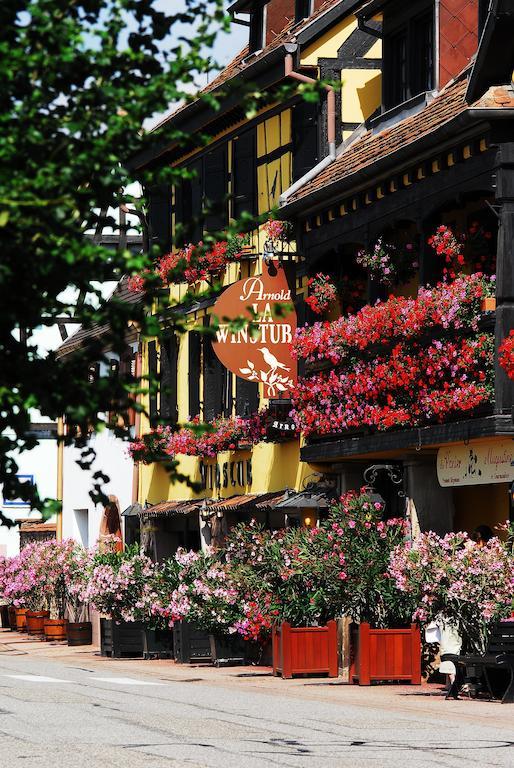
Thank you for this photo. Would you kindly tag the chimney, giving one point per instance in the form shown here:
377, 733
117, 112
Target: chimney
458, 36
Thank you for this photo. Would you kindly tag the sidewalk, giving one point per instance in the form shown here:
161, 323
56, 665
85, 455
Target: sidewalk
400, 699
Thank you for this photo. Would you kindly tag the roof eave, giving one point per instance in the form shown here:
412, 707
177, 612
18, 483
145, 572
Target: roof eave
185, 118
358, 179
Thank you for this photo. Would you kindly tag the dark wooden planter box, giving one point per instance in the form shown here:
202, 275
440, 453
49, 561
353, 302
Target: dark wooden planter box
227, 650
79, 633
157, 643
305, 650
123, 639
190, 644
386, 654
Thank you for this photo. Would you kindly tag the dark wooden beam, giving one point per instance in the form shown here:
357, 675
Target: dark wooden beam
341, 447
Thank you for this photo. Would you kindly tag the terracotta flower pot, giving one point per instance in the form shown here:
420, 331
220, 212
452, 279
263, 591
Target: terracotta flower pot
79, 633
488, 304
36, 622
55, 629
21, 619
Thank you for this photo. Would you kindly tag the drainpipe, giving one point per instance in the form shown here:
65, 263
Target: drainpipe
331, 130
60, 475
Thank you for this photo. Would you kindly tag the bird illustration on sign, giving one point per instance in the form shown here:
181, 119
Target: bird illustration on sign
274, 381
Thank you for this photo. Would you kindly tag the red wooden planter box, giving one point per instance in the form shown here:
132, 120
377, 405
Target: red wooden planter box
305, 650
386, 654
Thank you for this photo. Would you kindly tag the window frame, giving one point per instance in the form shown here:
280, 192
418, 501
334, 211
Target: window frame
409, 26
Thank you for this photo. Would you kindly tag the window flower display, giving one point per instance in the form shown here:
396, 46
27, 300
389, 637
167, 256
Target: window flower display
197, 439
409, 387
447, 307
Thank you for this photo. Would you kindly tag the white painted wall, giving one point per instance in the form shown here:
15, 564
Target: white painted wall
81, 517
41, 462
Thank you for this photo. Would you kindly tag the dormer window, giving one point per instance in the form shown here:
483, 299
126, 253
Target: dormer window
302, 9
408, 55
256, 41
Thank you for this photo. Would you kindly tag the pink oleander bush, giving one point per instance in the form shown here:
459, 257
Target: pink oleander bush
120, 584
35, 579
449, 576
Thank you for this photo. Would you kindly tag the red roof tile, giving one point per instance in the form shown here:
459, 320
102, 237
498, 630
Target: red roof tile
239, 62
377, 145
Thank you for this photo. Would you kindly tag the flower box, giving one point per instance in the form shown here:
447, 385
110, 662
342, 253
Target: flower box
386, 654
190, 644
121, 639
228, 650
305, 650
488, 304
157, 643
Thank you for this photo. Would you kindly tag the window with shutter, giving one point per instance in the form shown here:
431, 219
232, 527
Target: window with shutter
247, 397
159, 216
244, 176
213, 377
305, 120
189, 206
216, 189
168, 379
302, 9
152, 383
256, 40
194, 355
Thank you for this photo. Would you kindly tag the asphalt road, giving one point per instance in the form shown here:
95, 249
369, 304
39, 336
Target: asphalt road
81, 712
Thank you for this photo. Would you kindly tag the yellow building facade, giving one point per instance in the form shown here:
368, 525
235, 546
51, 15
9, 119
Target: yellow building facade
246, 166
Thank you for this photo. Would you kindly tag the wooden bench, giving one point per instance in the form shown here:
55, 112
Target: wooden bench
499, 655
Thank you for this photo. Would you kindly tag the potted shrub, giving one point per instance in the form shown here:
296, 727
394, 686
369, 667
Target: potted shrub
285, 589
452, 580
116, 586
357, 544
79, 630
199, 600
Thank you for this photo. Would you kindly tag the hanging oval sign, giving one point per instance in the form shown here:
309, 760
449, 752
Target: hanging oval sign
260, 350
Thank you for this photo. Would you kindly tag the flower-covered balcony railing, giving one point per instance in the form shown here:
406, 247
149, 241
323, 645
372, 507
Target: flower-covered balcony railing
404, 362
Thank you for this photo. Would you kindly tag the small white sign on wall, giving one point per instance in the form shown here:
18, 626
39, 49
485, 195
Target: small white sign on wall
476, 463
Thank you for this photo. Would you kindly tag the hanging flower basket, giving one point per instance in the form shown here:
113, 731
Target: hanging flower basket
305, 650
386, 654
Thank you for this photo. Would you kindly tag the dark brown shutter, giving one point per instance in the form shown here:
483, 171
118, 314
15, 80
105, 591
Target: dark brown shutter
152, 383
168, 383
159, 216
195, 346
244, 173
215, 187
188, 206
213, 374
305, 137
247, 397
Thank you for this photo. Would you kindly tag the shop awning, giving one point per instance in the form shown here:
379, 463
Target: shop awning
170, 508
133, 510
246, 502
307, 500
